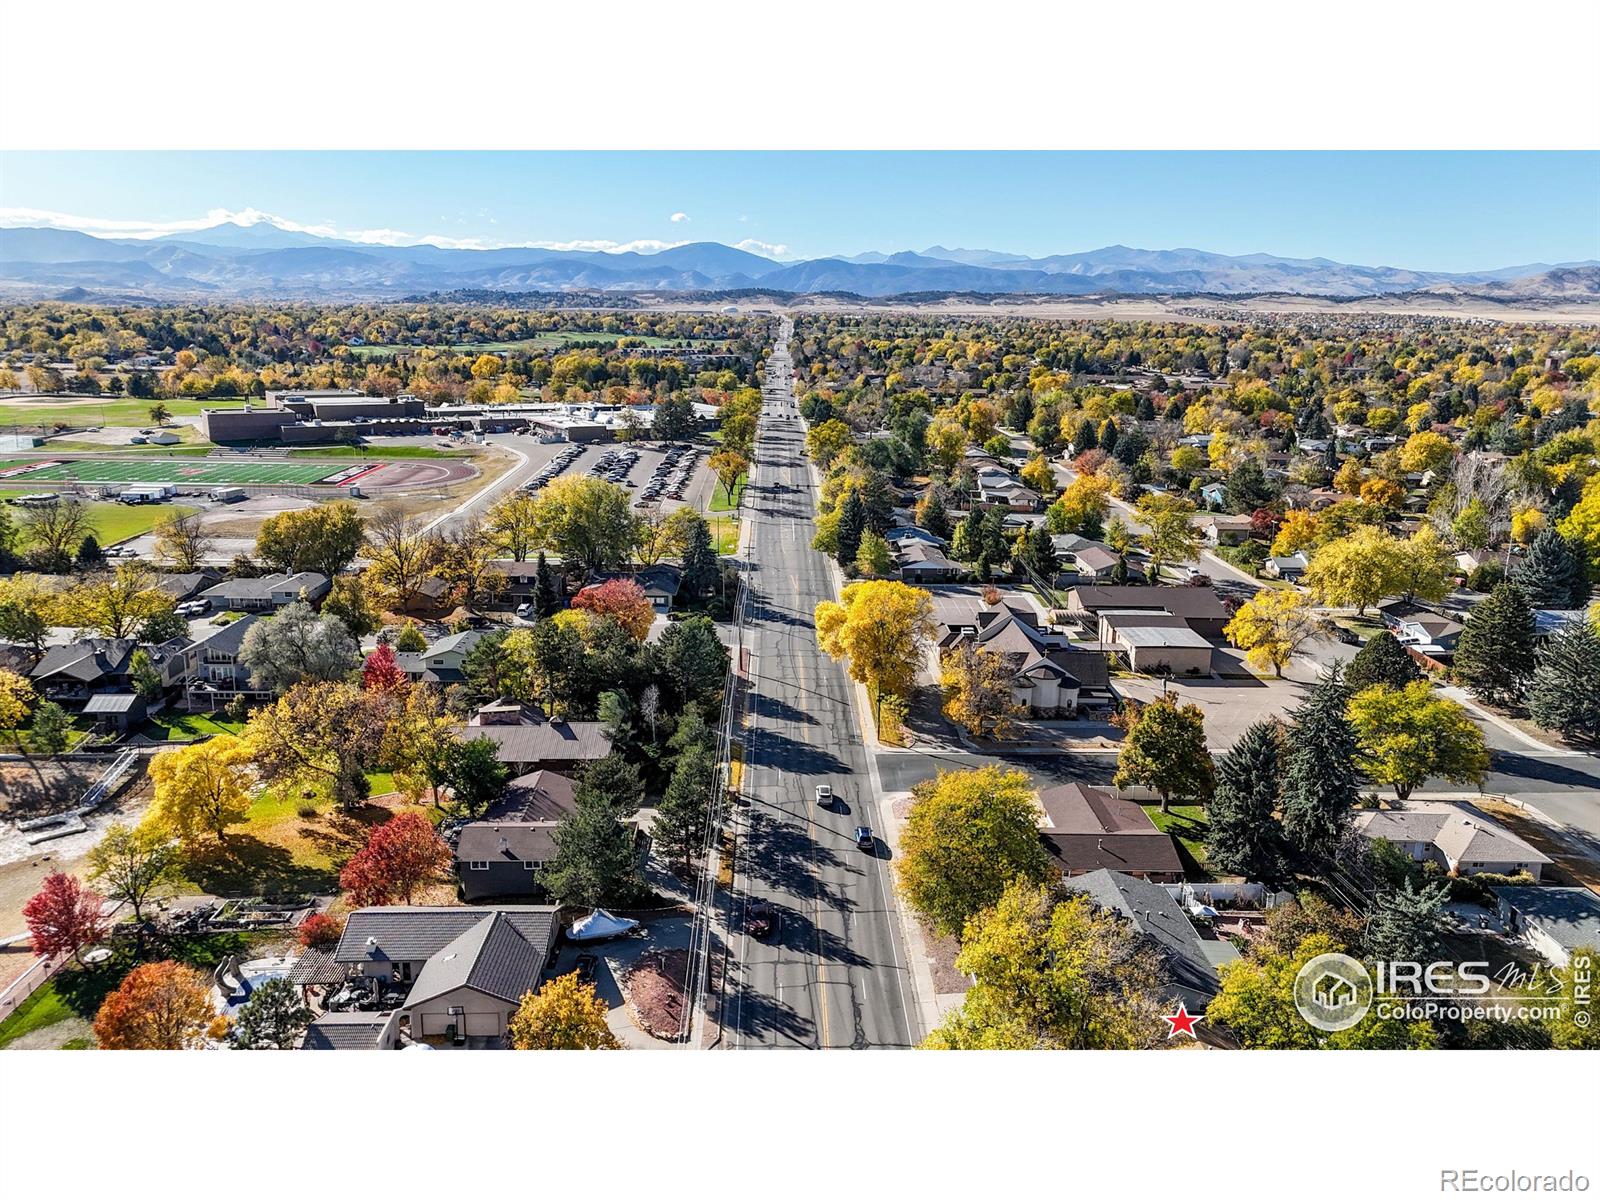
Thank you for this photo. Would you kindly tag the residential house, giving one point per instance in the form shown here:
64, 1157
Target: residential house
1219, 529
70, 674
1287, 567
1214, 495
353, 1031
527, 740
1091, 829
1431, 632
267, 593
1547, 622
1010, 494
463, 970
213, 673
660, 583
182, 586
1459, 839
1191, 961
521, 581
502, 855
442, 662
1555, 921
922, 561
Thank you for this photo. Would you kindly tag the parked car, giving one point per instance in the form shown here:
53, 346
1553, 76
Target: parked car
192, 608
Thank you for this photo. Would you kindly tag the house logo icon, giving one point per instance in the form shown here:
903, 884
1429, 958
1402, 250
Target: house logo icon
1333, 992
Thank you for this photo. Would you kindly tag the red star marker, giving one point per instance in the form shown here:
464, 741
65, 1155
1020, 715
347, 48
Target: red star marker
1182, 1022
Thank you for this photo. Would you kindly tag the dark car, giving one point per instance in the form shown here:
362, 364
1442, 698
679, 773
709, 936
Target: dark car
864, 838
586, 966
759, 919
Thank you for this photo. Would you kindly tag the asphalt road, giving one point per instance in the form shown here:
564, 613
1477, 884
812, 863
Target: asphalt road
833, 973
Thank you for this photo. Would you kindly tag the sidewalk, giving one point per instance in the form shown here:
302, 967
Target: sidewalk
1465, 699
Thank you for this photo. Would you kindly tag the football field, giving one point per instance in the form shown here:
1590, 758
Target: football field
178, 471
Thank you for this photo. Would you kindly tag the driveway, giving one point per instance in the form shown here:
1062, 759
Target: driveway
617, 957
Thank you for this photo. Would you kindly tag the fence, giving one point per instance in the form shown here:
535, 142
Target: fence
30, 981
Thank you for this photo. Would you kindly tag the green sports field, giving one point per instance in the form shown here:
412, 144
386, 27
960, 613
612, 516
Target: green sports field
191, 471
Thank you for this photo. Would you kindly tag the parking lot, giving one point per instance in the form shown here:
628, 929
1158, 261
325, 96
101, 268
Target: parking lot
666, 476
1230, 705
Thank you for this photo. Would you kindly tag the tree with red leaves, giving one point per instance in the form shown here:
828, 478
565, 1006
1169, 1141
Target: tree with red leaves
400, 856
1264, 524
621, 599
160, 1006
382, 671
64, 917
319, 931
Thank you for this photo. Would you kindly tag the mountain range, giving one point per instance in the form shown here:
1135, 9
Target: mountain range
264, 260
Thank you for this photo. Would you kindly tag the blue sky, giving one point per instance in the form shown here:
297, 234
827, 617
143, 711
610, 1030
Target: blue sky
1424, 210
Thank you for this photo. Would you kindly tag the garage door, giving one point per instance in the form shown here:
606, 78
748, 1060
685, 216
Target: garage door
434, 1024
484, 1024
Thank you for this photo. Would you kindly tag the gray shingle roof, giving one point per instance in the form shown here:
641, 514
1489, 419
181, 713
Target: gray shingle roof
492, 957
1569, 915
1157, 915
554, 741
345, 1031
413, 933
315, 967
88, 660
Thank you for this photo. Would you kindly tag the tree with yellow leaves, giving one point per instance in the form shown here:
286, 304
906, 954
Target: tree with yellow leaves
1082, 506
1301, 530
201, 789
1039, 475
1426, 451
116, 603
883, 628
1271, 627
825, 442
562, 1015
1357, 570
978, 693
1384, 493
1347, 478
16, 699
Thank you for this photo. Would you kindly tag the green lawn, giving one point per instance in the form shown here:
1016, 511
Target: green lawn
1188, 826
64, 445
154, 470
724, 534
722, 502
107, 410
112, 522
178, 727
77, 991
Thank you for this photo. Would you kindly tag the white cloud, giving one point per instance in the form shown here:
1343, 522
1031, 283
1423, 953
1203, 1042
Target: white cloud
765, 249
679, 217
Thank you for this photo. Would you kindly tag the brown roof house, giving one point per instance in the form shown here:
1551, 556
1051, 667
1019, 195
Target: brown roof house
505, 854
1090, 829
1050, 676
527, 740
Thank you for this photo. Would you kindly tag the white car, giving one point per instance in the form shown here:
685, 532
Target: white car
824, 795
192, 608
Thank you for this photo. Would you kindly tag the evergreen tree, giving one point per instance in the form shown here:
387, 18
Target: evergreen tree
614, 780
934, 517
1407, 925
1319, 778
1248, 488
965, 545
852, 520
1039, 553
1565, 693
89, 552
877, 502
1084, 438
544, 588
1553, 574
1383, 660
1495, 654
992, 535
594, 860
680, 823
272, 1019
699, 561
1245, 838
1108, 437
